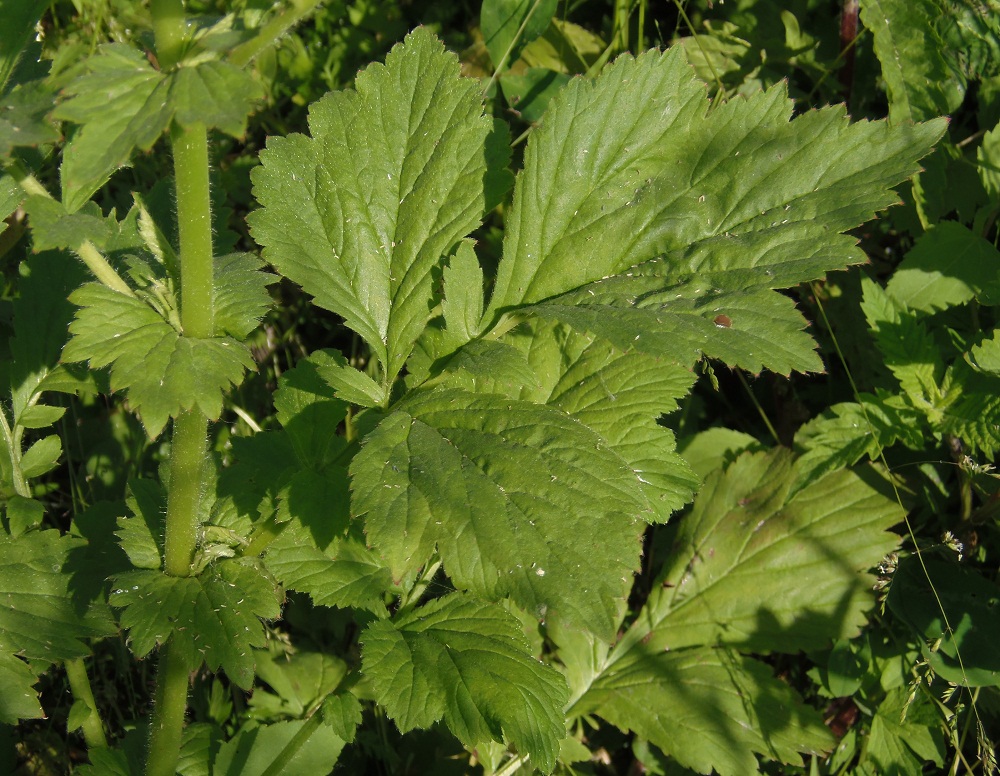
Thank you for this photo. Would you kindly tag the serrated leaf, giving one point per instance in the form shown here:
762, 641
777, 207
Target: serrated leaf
920, 82
751, 330
988, 156
255, 749
216, 94
845, 433
973, 413
740, 189
119, 77
24, 116
53, 227
308, 410
904, 734
342, 712
734, 575
466, 662
391, 179
620, 394
909, 350
200, 744
350, 384
23, 514
299, 682
520, 500
41, 457
509, 25
711, 709
163, 372
462, 306
141, 536
18, 697
124, 105
39, 416
342, 572
214, 616
948, 266
241, 298
105, 761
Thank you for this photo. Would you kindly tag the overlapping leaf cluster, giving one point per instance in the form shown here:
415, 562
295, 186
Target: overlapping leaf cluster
524, 453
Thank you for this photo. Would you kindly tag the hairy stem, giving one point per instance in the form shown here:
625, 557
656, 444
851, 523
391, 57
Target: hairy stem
170, 29
269, 33
79, 682
194, 219
168, 720
187, 457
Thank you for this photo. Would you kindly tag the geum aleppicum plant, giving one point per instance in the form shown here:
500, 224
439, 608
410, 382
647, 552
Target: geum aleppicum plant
507, 451
521, 455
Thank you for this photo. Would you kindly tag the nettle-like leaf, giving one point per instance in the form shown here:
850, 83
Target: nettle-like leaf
723, 205
361, 212
919, 78
467, 662
123, 104
735, 579
39, 620
214, 616
164, 373
520, 500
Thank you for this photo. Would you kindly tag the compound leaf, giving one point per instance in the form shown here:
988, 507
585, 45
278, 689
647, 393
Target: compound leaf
123, 104
214, 616
468, 662
163, 372
520, 500
360, 213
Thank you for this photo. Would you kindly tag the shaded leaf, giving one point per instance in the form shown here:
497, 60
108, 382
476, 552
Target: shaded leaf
509, 25
466, 662
734, 574
711, 709
255, 749
920, 82
948, 266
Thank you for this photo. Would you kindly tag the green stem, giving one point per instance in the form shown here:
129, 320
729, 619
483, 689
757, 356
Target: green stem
279, 763
13, 445
168, 717
170, 29
194, 219
268, 34
79, 682
506, 55
187, 456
